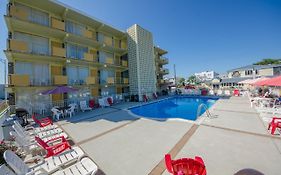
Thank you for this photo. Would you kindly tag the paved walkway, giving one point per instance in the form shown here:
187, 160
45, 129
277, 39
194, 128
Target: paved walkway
234, 140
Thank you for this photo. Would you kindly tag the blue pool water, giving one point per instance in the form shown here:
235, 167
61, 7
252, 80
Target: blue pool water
176, 107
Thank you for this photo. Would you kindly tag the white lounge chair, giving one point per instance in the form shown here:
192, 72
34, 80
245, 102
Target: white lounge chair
28, 137
48, 165
41, 134
24, 145
84, 167
84, 107
220, 93
4, 170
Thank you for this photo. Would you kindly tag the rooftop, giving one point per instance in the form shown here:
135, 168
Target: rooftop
256, 67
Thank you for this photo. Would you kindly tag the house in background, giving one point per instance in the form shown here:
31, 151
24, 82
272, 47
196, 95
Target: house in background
206, 76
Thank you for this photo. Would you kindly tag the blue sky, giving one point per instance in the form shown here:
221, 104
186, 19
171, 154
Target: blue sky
199, 34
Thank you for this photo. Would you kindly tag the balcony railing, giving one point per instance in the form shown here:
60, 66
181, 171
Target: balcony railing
18, 80
120, 80
110, 80
163, 60
124, 63
60, 80
91, 80
163, 71
88, 57
58, 24
19, 46
109, 60
58, 51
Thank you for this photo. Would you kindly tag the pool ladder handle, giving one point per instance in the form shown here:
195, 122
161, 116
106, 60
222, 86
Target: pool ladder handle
206, 111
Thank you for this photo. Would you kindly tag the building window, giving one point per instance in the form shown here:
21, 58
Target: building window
74, 28
75, 51
77, 75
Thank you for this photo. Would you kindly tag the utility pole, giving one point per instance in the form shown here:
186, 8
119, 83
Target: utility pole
175, 74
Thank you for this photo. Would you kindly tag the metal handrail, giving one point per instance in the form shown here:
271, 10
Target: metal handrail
206, 110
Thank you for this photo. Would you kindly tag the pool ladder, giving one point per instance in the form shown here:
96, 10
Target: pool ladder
200, 107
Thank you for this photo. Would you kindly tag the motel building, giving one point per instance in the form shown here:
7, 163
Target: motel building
50, 44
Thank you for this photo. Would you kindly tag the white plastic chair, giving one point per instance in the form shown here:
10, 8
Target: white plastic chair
70, 111
56, 113
23, 144
4, 170
84, 107
227, 92
52, 164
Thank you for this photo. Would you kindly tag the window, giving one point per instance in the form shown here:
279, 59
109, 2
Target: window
35, 15
36, 44
104, 74
77, 75
74, 28
75, 51
38, 73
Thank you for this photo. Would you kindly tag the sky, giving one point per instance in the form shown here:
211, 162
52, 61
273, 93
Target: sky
199, 35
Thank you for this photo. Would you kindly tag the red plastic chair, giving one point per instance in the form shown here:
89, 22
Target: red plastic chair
185, 166
91, 103
236, 92
60, 145
274, 124
109, 100
145, 99
42, 122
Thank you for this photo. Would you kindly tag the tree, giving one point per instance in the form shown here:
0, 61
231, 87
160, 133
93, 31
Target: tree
268, 61
192, 79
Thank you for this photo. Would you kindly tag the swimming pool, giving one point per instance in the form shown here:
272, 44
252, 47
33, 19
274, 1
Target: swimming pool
175, 107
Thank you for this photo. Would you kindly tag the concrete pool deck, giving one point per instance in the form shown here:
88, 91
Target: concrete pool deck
235, 139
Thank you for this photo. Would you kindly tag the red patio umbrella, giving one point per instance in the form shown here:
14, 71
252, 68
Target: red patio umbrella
276, 81
260, 82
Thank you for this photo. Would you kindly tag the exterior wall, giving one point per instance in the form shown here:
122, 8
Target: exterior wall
207, 75
266, 72
142, 63
54, 53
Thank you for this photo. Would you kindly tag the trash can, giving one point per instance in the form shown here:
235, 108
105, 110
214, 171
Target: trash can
6, 126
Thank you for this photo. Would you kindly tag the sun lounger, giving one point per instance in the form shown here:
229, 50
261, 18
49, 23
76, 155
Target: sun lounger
24, 145
84, 167
30, 138
41, 134
4, 170
84, 107
54, 146
42, 122
48, 165
274, 124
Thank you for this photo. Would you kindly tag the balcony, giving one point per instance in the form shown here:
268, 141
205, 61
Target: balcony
18, 13
87, 34
163, 60
110, 80
19, 46
125, 80
88, 57
163, 71
124, 63
58, 51
60, 80
91, 80
109, 60
58, 24
163, 81
18, 80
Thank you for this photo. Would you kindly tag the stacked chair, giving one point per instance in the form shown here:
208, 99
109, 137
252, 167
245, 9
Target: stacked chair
47, 151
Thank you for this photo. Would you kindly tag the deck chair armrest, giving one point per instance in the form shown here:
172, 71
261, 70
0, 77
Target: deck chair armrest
57, 149
276, 119
60, 138
41, 161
